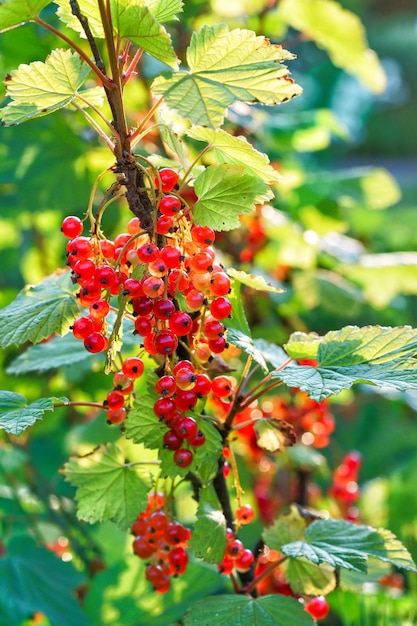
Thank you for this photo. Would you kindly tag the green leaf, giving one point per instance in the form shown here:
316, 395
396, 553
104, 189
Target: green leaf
33, 580
16, 414
16, 12
340, 33
238, 151
343, 544
224, 192
246, 343
142, 425
39, 311
208, 541
107, 487
308, 579
134, 21
287, 528
238, 319
55, 353
41, 88
258, 283
164, 10
227, 66
274, 610
272, 353
376, 355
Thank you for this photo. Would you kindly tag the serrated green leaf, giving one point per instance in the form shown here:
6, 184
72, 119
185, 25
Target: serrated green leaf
164, 10
258, 283
343, 544
16, 12
134, 21
274, 610
107, 487
142, 425
340, 33
308, 579
33, 580
376, 355
287, 528
224, 192
246, 343
16, 414
272, 353
39, 311
55, 353
208, 541
41, 88
227, 66
238, 319
238, 151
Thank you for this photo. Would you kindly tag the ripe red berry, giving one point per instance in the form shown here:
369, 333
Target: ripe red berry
171, 255
165, 342
183, 457
226, 566
142, 548
167, 179
163, 308
164, 408
221, 307
79, 248
235, 548
105, 276
202, 236
148, 252
198, 440
96, 342
164, 225
116, 416
178, 560
72, 226
180, 323
144, 327
170, 205
153, 286
187, 428
245, 514
172, 441
165, 386
132, 288
99, 309
318, 607
202, 385
133, 367
82, 327
244, 562
115, 400
142, 305
176, 533
222, 386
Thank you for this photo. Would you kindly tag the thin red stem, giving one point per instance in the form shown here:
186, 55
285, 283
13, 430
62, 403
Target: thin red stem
263, 575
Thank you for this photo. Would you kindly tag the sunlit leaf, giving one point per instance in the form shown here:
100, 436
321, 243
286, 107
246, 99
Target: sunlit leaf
41, 88
108, 488
309, 579
340, 33
16, 12
376, 355
246, 343
224, 193
238, 151
208, 541
258, 283
39, 311
16, 414
227, 66
239, 610
274, 435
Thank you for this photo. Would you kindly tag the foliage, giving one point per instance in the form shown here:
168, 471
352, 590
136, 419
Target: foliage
318, 350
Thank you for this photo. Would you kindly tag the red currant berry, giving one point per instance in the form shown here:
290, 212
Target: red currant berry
157, 523
318, 607
235, 548
171, 257
170, 205
244, 562
198, 440
185, 400
202, 385
96, 342
222, 386
194, 300
202, 236
245, 514
176, 533
185, 378
82, 327
133, 367
142, 548
142, 305
156, 500
183, 457
115, 400
148, 252
164, 408
167, 179
143, 327
164, 225
99, 309
218, 345
166, 386
116, 416
79, 248
84, 269
219, 284
107, 248
105, 276
178, 560
220, 308
226, 566
180, 323
172, 441
132, 288
165, 342
72, 226
163, 308
186, 428
153, 286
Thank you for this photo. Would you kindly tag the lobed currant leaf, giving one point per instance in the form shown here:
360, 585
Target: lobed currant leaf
341, 33
16, 414
208, 541
39, 311
272, 610
375, 355
227, 66
238, 151
306, 578
17, 12
246, 343
107, 487
258, 283
41, 88
341, 544
224, 193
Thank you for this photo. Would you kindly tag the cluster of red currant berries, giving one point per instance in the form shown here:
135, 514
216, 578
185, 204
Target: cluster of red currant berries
123, 381
160, 542
345, 489
237, 557
177, 261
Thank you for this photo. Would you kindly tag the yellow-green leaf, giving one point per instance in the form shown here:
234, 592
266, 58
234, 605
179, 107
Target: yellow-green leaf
254, 282
40, 88
227, 66
340, 33
17, 12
